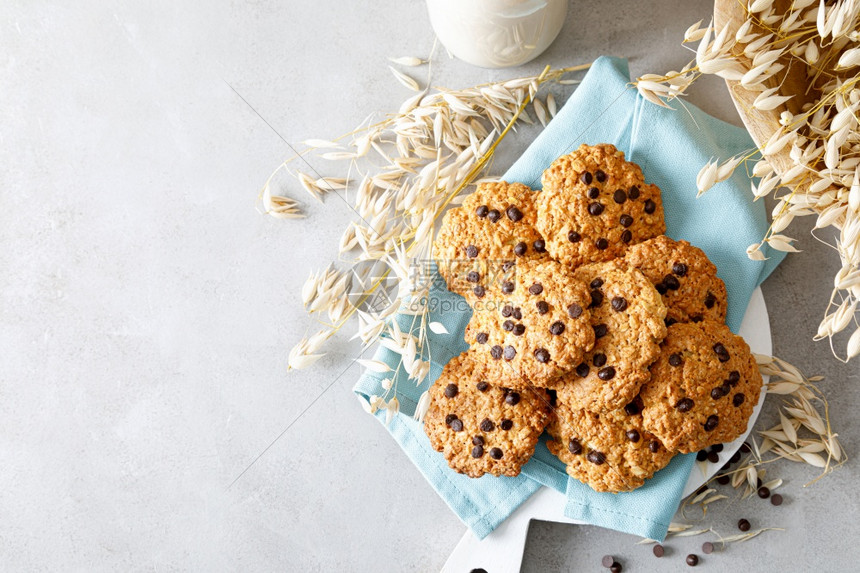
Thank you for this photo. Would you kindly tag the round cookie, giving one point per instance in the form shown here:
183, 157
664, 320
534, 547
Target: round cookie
594, 204
609, 452
537, 330
703, 387
684, 276
627, 316
479, 425
479, 241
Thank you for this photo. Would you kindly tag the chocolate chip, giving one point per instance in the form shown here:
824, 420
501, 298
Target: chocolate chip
601, 244
734, 378
479, 291
482, 211
519, 329
487, 425
514, 214
596, 298
661, 288
478, 440
671, 282
510, 351
451, 390
450, 418
723, 480
633, 435
743, 525
625, 220
634, 407
471, 251
556, 327
473, 276
494, 215
507, 265
599, 359
506, 424
508, 325
717, 448
582, 370
707, 547
711, 423
776, 499
520, 249
619, 196
600, 330
619, 303
518, 314
457, 425
738, 399
692, 559
735, 458
585, 178
507, 287
593, 193
607, 561
595, 457
658, 550
674, 360
714, 457
482, 386
615, 567
710, 300
482, 337
654, 446
496, 352
701, 455
600, 176
763, 492
626, 236
595, 209
536, 288
634, 192
542, 355
574, 446
679, 269
745, 448
539, 246
507, 310
477, 451
607, 373
717, 393
496, 453
596, 283
721, 352
684, 405
574, 311
542, 307
650, 206
574, 237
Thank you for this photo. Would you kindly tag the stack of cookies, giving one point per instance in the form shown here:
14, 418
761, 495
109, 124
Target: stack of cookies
588, 323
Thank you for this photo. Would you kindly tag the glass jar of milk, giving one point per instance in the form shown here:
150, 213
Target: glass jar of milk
497, 33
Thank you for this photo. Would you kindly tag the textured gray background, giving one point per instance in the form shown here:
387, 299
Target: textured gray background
146, 308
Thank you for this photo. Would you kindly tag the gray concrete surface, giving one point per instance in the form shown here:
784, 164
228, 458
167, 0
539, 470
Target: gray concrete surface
146, 308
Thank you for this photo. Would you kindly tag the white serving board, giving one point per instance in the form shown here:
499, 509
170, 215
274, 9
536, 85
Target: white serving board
502, 550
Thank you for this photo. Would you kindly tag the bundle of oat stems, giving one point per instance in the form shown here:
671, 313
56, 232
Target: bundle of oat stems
793, 69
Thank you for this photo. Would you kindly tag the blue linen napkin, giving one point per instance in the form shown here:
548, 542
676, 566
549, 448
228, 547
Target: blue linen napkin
670, 146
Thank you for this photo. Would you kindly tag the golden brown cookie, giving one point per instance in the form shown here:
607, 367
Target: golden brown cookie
479, 424
703, 387
537, 329
684, 276
594, 204
481, 240
609, 451
627, 316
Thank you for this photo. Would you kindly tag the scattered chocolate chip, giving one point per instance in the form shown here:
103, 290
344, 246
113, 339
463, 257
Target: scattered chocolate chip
574, 237
717, 393
738, 399
471, 251
508, 325
574, 446
542, 307
482, 386
510, 352
507, 310
711, 423
619, 303
536, 288
634, 192
719, 349
542, 355
539, 246
692, 559
600, 176
619, 196
626, 236
654, 446
585, 178
684, 405
596, 298
496, 453
507, 287
574, 311
776, 499
450, 418
710, 300
661, 288
701, 455
679, 269
607, 561
451, 390
723, 480
496, 352
595, 457
671, 282
625, 220
745, 448
674, 359
601, 244
556, 327
457, 425
650, 206
520, 249
633, 435
506, 424
707, 547
595, 209
493, 215
599, 359
479, 291
607, 373
734, 378
593, 193
519, 329
473, 276
482, 337
512, 399
763, 492
600, 330
735, 458
478, 440
658, 550
482, 211
743, 525
596, 283
582, 370
714, 457
616, 567
634, 407
514, 214
518, 314
487, 425
717, 448
477, 451
507, 265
